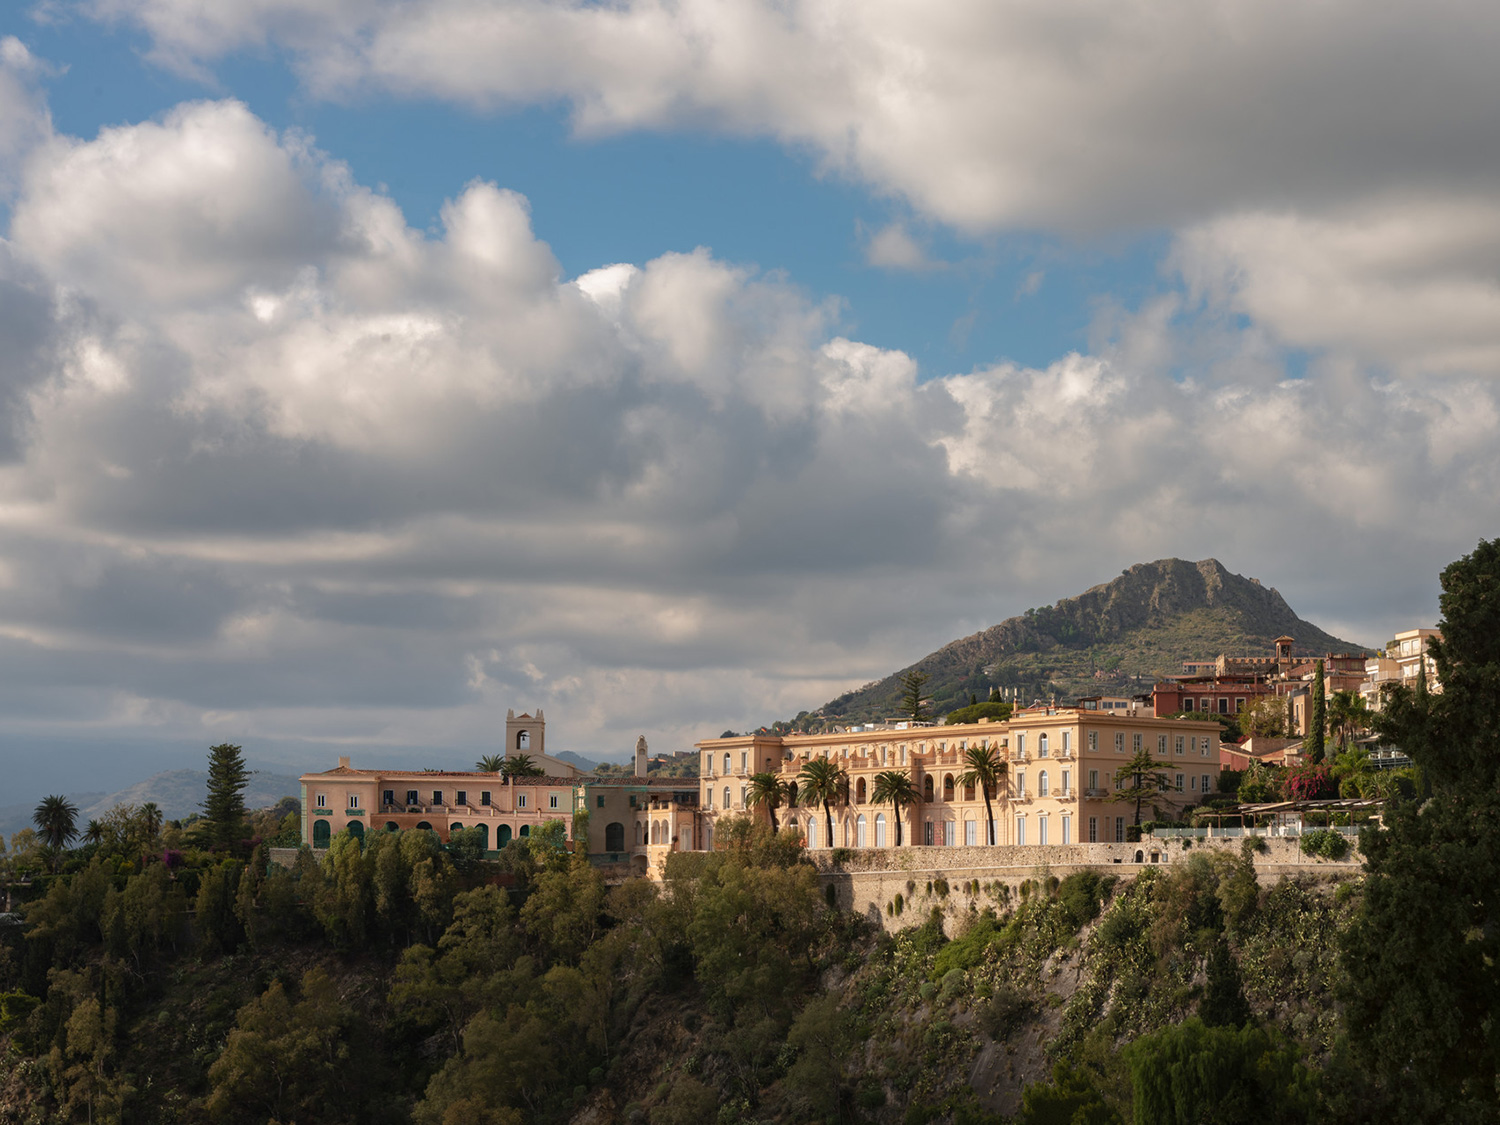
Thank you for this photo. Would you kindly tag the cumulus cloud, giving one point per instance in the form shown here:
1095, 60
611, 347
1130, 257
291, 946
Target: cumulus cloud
357, 482
893, 247
1073, 114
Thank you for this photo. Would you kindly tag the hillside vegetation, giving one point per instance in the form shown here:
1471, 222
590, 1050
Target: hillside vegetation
1116, 637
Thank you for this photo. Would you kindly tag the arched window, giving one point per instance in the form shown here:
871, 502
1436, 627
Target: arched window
927, 788
637, 833
322, 832
523, 740
422, 824
880, 830
859, 793
791, 795
355, 829
392, 826
614, 836
454, 829
859, 832
502, 836
1041, 746
525, 830
1041, 784
484, 836
948, 787
726, 796
812, 832
726, 765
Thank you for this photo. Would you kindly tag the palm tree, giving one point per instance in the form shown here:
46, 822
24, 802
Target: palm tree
823, 782
1347, 713
520, 765
894, 788
985, 769
151, 818
93, 832
769, 790
56, 820
490, 763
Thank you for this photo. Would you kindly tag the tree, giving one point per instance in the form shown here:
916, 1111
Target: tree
224, 807
1189, 1073
769, 790
984, 767
894, 788
822, 782
1146, 780
913, 701
1347, 714
490, 763
56, 819
1264, 717
520, 765
1317, 722
1421, 959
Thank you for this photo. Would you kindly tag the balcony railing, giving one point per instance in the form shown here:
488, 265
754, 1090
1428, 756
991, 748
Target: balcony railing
1095, 792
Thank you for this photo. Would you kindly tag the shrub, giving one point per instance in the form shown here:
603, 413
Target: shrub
1325, 843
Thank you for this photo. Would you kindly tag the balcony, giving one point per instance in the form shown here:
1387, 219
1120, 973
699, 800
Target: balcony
1096, 794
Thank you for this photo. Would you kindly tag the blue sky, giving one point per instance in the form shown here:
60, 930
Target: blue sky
925, 317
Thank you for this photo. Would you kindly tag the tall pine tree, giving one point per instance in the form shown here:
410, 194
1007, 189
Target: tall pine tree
224, 807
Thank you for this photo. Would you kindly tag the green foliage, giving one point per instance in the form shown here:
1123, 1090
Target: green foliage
1070, 1097
968, 950
1317, 721
894, 788
1191, 1074
914, 698
224, 805
994, 709
520, 765
1326, 843
823, 781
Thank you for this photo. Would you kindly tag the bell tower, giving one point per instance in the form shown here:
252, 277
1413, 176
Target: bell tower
640, 756
525, 734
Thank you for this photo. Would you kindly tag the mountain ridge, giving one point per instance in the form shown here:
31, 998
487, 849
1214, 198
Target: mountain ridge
1116, 636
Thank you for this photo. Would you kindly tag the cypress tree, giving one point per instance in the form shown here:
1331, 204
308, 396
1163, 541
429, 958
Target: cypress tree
224, 807
1318, 720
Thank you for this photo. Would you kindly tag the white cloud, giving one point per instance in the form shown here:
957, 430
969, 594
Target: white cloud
1072, 114
360, 482
893, 247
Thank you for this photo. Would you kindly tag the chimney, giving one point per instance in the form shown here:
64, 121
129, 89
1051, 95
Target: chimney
640, 756
343, 761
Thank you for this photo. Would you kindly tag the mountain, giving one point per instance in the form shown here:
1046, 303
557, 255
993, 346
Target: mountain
575, 759
177, 793
1115, 638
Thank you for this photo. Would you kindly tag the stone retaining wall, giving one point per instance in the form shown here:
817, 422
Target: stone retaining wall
868, 880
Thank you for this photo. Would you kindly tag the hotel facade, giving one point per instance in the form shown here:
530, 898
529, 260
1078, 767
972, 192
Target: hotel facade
1064, 777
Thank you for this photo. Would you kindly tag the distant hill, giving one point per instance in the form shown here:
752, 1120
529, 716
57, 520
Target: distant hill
177, 793
574, 759
1116, 638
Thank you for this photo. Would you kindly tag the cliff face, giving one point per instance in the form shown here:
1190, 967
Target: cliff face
1114, 637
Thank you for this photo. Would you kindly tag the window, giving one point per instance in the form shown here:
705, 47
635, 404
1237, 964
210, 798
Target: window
742, 796
600, 801
1093, 740
437, 796
1161, 744
1187, 704
551, 800
1067, 737
1021, 784
1041, 831
927, 833
708, 765
484, 797
1093, 829
463, 796
1135, 743
859, 832
1021, 745
388, 797
614, 837
1020, 830
1041, 746
322, 801
1203, 750
1194, 784
880, 830
726, 797
744, 761
708, 798
1179, 783
411, 797
1177, 745
950, 830
1067, 781
520, 800
1223, 706
1041, 784
726, 765
1239, 705
1204, 786
1120, 743
354, 800
1119, 829
1093, 779
971, 833
1067, 829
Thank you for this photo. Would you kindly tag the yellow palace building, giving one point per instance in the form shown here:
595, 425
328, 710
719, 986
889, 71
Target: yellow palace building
1063, 771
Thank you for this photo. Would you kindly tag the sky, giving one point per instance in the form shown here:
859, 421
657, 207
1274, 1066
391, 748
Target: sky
369, 367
